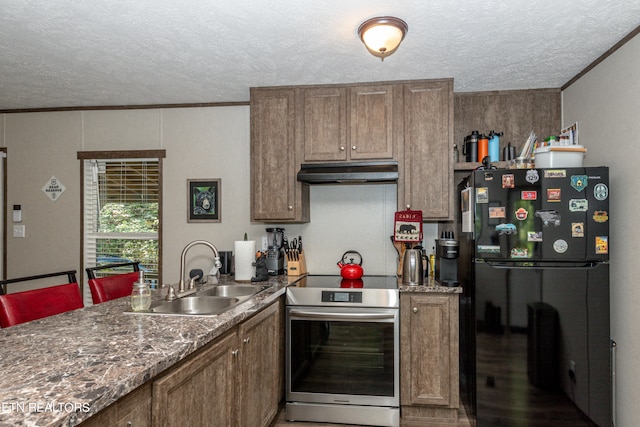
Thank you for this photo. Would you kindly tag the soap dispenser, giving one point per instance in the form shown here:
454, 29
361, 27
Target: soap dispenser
141, 295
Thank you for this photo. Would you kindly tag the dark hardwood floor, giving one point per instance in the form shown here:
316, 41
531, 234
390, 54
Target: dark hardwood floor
505, 395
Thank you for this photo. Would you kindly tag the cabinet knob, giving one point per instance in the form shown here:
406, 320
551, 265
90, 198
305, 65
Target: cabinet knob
353, 148
290, 207
415, 309
341, 148
408, 207
234, 353
246, 340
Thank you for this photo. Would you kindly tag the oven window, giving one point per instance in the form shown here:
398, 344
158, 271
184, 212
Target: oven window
339, 357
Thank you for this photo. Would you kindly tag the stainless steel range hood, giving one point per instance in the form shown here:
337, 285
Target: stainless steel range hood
349, 173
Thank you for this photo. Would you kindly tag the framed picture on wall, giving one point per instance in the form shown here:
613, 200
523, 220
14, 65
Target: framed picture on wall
203, 200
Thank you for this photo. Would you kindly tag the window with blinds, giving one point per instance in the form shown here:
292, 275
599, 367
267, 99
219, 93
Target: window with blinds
121, 214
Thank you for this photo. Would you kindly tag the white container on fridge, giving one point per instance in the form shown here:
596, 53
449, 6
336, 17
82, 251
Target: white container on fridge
569, 156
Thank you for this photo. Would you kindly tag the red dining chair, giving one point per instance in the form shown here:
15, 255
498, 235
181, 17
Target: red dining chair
21, 307
111, 287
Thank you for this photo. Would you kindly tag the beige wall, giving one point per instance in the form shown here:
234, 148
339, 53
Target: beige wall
208, 142
606, 104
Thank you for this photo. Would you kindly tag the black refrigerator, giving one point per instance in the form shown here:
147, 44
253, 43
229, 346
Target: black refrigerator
535, 339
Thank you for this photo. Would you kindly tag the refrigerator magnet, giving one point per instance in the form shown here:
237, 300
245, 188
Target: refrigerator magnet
532, 176
600, 216
578, 205
577, 229
555, 173
508, 180
560, 246
554, 195
519, 253
529, 195
601, 191
521, 214
482, 195
579, 182
534, 236
602, 245
497, 212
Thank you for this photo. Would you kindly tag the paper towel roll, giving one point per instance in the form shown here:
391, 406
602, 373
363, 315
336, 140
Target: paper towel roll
245, 256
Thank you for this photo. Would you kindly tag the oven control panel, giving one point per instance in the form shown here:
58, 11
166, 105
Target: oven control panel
341, 296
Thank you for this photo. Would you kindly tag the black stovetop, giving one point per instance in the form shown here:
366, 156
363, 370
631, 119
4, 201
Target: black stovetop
337, 282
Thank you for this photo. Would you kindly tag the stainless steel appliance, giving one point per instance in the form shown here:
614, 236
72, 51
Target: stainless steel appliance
412, 268
535, 307
275, 251
342, 361
447, 260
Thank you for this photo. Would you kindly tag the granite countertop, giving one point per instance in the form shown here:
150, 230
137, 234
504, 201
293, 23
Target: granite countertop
63, 369
430, 286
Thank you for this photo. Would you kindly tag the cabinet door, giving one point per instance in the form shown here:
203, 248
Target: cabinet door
261, 361
276, 194
429, 349
323, 115
201, 391
132, 410
426, 175
371, 122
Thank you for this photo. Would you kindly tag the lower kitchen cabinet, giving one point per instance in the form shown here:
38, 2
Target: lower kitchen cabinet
133, 410
429, 389
236, 380
261, 361
200, 391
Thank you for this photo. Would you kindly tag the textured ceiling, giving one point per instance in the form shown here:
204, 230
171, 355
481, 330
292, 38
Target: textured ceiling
61, 53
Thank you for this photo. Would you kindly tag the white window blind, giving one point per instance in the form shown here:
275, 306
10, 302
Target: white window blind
121, 201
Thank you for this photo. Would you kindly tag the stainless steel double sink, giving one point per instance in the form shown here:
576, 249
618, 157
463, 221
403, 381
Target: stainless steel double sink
209, 301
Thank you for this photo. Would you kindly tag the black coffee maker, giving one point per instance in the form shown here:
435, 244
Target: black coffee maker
275, 251
447, 252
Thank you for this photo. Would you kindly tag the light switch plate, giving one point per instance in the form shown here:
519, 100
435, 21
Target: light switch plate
18, 230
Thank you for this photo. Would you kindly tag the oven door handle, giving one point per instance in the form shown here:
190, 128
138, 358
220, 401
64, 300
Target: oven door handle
340, 316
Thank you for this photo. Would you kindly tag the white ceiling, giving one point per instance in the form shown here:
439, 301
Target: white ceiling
70, 53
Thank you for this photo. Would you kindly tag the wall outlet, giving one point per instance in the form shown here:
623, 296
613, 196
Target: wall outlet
18, 230
265, 243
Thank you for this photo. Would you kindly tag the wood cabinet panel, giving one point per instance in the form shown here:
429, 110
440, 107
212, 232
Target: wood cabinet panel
426, 176
260, 359
276, 195
429, 355
324, 123
133, 410
201, 390
516, 113
371, 122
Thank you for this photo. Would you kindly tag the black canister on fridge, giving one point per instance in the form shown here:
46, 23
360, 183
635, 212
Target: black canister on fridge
470, 147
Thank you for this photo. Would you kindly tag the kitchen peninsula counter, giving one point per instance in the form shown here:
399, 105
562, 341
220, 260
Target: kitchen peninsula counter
63, 369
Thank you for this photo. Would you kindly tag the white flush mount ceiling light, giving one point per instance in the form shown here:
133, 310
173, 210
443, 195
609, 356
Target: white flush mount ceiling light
382, 35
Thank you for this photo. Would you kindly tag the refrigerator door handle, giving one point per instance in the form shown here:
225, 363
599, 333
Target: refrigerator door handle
537, 266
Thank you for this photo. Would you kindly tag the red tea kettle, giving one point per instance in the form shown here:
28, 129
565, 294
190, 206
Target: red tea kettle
348, 268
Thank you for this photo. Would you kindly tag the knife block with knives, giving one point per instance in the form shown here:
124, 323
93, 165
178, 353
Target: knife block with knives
296, 263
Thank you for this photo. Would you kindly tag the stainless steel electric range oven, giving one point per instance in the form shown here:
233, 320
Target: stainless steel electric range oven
343, 350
